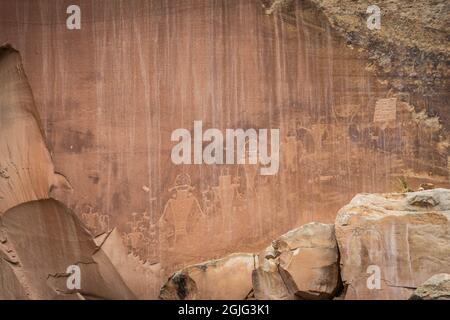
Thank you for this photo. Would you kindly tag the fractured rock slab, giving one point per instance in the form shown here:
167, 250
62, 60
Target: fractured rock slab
26, 168
46, 238
141, 277
392, 243
302, 263
228, 278
435, 288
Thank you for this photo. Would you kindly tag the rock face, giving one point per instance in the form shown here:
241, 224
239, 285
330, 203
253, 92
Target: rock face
391, 243
110, 97
228, 278
40, 240
10, 286
409, 51
435, 288
26, 168
141, 277
303, 264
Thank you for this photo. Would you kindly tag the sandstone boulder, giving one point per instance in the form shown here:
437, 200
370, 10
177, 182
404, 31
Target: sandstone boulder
435, 288
228, 278
391, 243
301, 264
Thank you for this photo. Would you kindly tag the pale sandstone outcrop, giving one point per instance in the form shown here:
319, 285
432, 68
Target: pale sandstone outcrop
26, 168
141, 277
302, 263
229, 278
39, 241
404, 236
435, 288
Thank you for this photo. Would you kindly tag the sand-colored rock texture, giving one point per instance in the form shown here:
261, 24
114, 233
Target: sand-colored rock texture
142, 278
435, 288
228, 278
301, 264
405, 236
40, 240
26, 168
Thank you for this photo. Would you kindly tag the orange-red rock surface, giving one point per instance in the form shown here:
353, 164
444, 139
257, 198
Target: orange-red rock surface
108, 96
26, 169
41, 239
405, 236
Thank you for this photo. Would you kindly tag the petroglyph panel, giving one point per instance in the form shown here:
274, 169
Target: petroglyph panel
109, 96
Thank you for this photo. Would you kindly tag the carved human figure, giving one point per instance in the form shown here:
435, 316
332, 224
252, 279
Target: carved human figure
182, 214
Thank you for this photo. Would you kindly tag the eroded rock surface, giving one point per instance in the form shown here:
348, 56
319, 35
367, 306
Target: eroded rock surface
229, 278
435, 288
302, 263
108, 111
26, 168
404, 236
41, 239
141, 277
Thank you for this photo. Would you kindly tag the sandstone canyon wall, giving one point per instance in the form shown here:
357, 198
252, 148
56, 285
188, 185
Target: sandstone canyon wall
109, 95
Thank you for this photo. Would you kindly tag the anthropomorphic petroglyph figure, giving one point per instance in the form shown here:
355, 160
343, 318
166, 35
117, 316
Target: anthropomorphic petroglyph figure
226, 196
134, 238
182, 214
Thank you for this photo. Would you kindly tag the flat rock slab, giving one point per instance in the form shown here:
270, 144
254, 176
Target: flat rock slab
46, 238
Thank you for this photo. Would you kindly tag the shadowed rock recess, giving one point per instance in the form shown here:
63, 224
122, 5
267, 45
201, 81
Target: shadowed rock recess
86, 177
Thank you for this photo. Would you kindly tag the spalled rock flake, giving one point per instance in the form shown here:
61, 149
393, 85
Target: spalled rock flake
141, 277
301, 264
